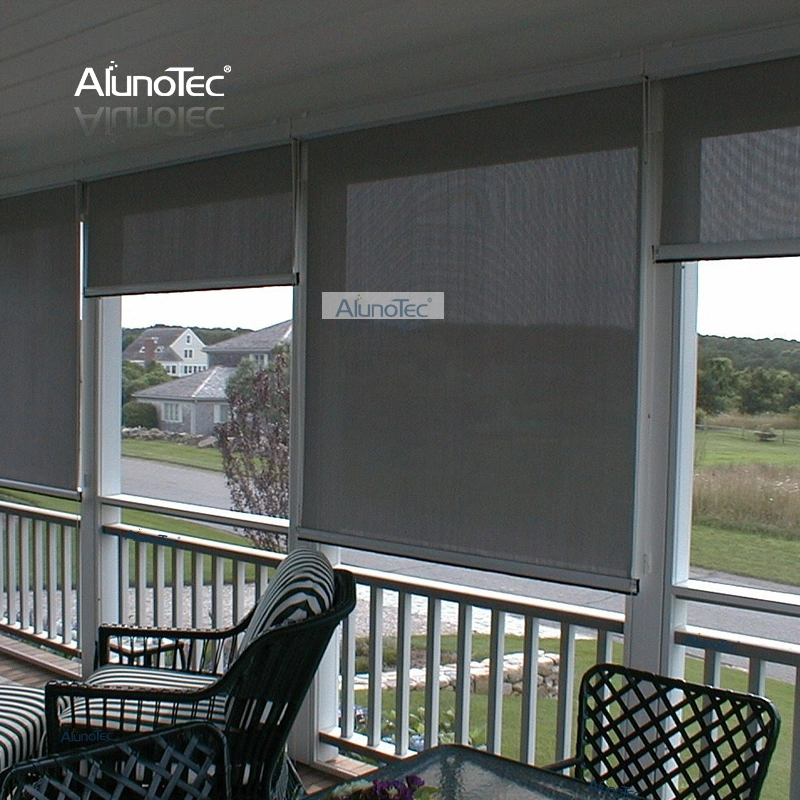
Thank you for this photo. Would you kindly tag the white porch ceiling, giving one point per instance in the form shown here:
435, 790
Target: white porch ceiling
311, 66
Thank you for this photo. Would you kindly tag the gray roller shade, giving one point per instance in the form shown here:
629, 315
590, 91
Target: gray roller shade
221, 223
732, 163
39, 309
504, 436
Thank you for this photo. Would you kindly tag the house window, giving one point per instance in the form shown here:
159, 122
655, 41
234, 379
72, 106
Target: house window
173, 412
188, 353
222, 413
188, 338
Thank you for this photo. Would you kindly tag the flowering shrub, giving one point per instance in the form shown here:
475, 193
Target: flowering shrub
412, 787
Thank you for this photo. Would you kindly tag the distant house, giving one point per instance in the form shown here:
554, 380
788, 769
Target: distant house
194, 404
179, 350
256, 346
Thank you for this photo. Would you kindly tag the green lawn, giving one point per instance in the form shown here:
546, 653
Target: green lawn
713, 448
750, 554
174, 453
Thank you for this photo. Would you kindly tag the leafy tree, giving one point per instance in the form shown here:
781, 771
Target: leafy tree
139, 415
767, 390
716, 385
136, 377
254, 443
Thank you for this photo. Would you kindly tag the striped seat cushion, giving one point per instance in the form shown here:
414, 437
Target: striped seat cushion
301, 587
129, 715
21, 723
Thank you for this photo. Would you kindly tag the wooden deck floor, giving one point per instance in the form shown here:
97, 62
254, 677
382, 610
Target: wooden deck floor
24, 664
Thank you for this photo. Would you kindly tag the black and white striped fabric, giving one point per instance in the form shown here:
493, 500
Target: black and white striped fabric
21, 723
301, 587
114, 714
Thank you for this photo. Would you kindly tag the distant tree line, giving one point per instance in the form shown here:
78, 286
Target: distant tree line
751, 376
208, 335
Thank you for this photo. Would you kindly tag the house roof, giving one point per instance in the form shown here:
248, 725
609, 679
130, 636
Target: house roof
208, 386
161, 337
263, 341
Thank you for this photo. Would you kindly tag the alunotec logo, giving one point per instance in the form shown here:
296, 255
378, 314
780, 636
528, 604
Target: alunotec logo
179, 83
175, 120
383, 305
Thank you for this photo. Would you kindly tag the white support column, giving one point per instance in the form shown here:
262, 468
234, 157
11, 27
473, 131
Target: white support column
321, 708
667, 360
100, 468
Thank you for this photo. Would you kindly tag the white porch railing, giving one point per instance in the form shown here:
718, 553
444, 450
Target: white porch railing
178, 580
39, 557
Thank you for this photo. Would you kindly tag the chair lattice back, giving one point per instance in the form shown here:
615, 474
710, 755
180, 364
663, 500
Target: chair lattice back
189, 762
646, 732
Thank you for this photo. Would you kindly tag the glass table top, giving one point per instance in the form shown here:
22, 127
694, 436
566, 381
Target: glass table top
462, 773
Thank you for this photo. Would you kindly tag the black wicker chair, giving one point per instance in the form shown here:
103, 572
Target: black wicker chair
187, 762
252, 693
643, 732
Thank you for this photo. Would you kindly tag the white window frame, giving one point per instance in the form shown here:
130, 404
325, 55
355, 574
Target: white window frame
172, 412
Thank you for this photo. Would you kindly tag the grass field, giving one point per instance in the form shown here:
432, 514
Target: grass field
746, 504
714, 447
174, 453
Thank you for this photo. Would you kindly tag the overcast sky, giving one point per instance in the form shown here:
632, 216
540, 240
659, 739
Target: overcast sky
230, 308
757, 298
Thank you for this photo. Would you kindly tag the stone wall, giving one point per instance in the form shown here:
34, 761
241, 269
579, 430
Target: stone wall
156, 435
513, 664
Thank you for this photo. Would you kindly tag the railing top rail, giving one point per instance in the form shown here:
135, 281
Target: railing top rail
737, 644
194, 544
198, 513
745, 597
34, 512
611, 621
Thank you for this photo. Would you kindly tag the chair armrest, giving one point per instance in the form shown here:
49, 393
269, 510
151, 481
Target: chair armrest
561, 766
64, 709
194, 649
187, 761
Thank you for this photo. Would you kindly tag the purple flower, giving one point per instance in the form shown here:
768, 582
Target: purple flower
414, 782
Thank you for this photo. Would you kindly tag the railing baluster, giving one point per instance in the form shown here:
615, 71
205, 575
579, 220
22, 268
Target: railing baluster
433, 661
52, 580
566, 680
198, 582
178, 604
24, 574
494, 722
159, 585
794, 779
11, 570
530, 690
4, 567
463, 672
348, 697
605, 647
67, 572
239, 584
38, 576
217, 592
375, 701
402, 693
756, 677
141, 582
124, 579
